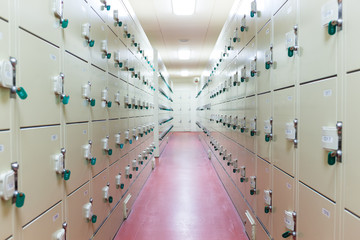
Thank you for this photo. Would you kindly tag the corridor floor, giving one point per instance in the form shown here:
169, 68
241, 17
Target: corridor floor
183, 199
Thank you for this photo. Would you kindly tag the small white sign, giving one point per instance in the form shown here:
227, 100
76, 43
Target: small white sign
327, 139
329, 12
290, 39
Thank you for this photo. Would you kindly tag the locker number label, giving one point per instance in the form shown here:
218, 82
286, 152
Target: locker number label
327, 93
327, 139
326, 212
329, 12
290, 39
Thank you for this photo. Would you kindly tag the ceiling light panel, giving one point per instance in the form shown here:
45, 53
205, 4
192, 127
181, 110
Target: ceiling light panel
184, 73
184, 7
184, 54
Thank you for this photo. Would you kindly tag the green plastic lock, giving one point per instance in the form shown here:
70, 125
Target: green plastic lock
65, 23
234, 127
136, 75
267, 65
20, 200
252, 192
128, 35
137, 168
122, 186
111, 199
242, 179
234, 40
224, 159
108, 8
119, 23
109, 104
234, 84
110, 152
331, 159
92, 102
252, 14
146, 158
91, 43
130, 176
67, 174
21, 93
242, 28
286, 234
290, 52
229, 125
228, 163
267, 138
136, 107
149, 131
242, 79
120, 64
135, 44
129, 105
93, 218
142, 162
121, 146
146, 133
108, 55
267, 209
93, 161
252, 74
252, 133
141, 135
130, 141
66, 99
131, 69
229, 48
152, 129
332, 27
234, 170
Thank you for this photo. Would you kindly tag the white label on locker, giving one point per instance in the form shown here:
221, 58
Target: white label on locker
290, 131
253, 6
290, 39
267, 56
267, 126
55, 217
329, 138
253, 65
290, 98
54, 137
243, 21
84, 132
289, 10
327, 93
267, 197
58, 7
326, 212
2, 148
289, 220
329, 12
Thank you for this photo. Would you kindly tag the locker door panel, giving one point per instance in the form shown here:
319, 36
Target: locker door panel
316, 112
39, 18
6, 207
318, 210
264, 114
282, 200
351, 225
99, 132
4, 55
78, 226
101, 206
76, 76
4, 11
46, 225
114, 129
114, 96
250, 55
284, 67
99, 34
277, 4
284, 113
351, 28
250, 27
250, 114
101, 9
124, 126
323, 63
38, 147
115, 46
77, 137
250, 163
352, 115
263, 50
75, 43
264, 12
42, 106
98, 80
241, 136
116, 191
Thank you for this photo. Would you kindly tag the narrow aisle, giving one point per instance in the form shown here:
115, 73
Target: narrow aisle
183, 199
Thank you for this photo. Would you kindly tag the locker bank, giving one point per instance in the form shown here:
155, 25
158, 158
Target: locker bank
168, 119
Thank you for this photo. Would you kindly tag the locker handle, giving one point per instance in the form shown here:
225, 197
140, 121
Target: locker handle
93, 218
331, 158
93, 161
267, 209
332, 27
20, 91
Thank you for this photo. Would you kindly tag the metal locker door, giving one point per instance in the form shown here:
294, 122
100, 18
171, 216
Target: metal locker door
5, 9
42, 106
323, 63
102, 9
47, 225
40, 148
6, 207
98, 80
277, 4
246, 22
265, 126
77, 138
77, 79
251, 123
99, 133
285, 132
124, 128
285, 64
316, 216
351, 50
317, 112
115, 63
4, 55
75, 42
263, 14
241, 113
114, 130
116, 180
351, 225
352, 196
250, 164
78, 227
252, 65
283, 199
99, 53
101, 205
114, 96
264, 55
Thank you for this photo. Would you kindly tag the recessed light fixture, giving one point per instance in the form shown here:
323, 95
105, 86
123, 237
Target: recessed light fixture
184, 7
184, 40
184, 73
184, 54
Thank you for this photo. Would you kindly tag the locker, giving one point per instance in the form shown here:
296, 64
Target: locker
75, 43
320, 211
283, 200
247, 23
46, 225
99, 32
37, 176
77, 137
78, 226
117, 184
76, 79
4, 11
265, 126
264, 13
115, 17
124, 128
283, 146
4, 55
351, 175
99, 133
114, 96
250, 163
351, 225
98, 79
251, 123
116, 48
252, 65
42, 106
102, 8
351, 50
323, 63
6, 207
101, 206
284, 67
264, 54
314, 169
114, 130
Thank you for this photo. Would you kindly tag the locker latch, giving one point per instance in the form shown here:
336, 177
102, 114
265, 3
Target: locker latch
86, 34
134, 134
60, 234
228, 157
105, 192
88, 212
134, 165
105, 98
117, 98
243, 174
133, 102
236, 81
253, 70
105, 142
292, 41
118, 140
18, 197
290, 223
86, 92
133, 43
253, 9
230, 47
87, 153
119, 185
8, 78
236, 37
328, 11
59, 163
253, 131
332, 141
105, 6
140, 159
268, 129
291, 132
145, 155
117, 59
243, 74
59, 11
104, 49
235, 122
9, 186
269, 57
127, 172
127, 102
268, 201
252, 185
243, 26
235, 166
225, 53
126, 32
117, 19
58, 85
127, 137
243, 124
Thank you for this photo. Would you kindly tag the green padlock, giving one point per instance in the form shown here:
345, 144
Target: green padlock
110, 152
252, 74
92, 102
111, 199
108, 8
146, 133
91, 43
129, 106
120, 64
229, 125
332, 27
135, 44
252, 133
234, 170
122, 186
119, 23
130, 176
242, 79
146, 158
242, 28
108, 55
267, 209
136, 107
128, 35
93, 218
234, 127
286, 234
65, 23
67, 174
109, 104
93, 161
252, 14
267, 138
228, 163
121, 146
331, 158
252, 192
137, 168
290, 51
66, 99
234, 40
267, 65
20, 200
242, 179
130, 141
21, 93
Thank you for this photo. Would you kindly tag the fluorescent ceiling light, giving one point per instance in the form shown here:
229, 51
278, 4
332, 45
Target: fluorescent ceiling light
184, 54
184, 73
184, 7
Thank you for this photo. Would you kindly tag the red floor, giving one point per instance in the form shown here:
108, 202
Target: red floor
183, 199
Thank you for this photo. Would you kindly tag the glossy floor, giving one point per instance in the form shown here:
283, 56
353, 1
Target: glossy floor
183, 199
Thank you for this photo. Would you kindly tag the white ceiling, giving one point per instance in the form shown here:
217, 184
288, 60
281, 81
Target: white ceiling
165, 30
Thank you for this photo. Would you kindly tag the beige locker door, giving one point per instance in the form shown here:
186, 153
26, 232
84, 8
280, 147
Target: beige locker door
100, 207
39, 18
250, 163
101, 9
37, 176
114, 47
264, 114
248, 22
124, 55
316, 218
317, 112
285, 67
132, 98
351, 29
46, 225
264, 13
114, 95
42, 106
282, 200
123, 92
76, 76
250, 114
4, 55
124, 126
6, 207
78, 226
4, 11
77, 137
351, 163
116, 191
351, 226
250, 54
98, 80
75, 43
323, 63
99, 132
283, 150
264, 55
114, 129
99, 34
